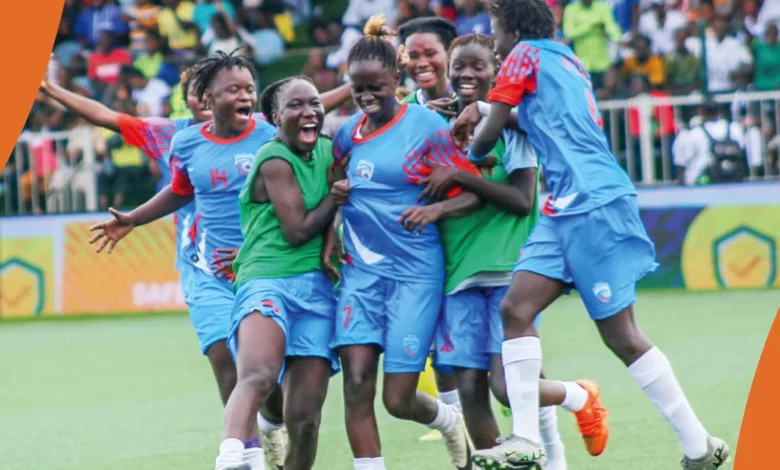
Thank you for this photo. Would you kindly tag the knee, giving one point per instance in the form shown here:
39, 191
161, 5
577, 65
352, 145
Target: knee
302, 423
398, 405
518, 313
359, 389
262, 380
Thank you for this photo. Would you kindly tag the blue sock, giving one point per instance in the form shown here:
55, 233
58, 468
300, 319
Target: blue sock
254, 443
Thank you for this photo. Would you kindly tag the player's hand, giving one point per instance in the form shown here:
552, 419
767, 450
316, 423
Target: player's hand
340, 191
45, 86
416, 218
332, 247
437, 184
443, 106
338, 170
224, 263
463, 129
110, 232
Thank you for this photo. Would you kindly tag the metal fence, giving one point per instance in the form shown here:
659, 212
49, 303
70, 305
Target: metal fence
51, 172
48, 173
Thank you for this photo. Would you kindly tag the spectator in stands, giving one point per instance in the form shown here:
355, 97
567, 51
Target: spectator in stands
103, 15
644, 62
104, 64
659, 23
226, 36
359, 11
683, 69
176, 24
65, 45
149, 94
153, 61
590, 25
472, 18
767, 59
627, 14
692, 153
205, 10
726, 56
143, 21
268, 45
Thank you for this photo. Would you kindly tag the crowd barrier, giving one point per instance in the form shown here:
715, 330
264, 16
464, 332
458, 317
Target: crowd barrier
711, 237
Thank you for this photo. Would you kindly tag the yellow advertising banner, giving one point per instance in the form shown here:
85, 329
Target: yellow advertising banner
26, 276
138, 276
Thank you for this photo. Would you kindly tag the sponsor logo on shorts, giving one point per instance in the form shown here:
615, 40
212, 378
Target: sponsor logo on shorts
411, 345
365, 169
267, 303
602, 292
244, 162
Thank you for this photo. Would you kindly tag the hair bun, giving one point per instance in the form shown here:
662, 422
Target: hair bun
376, 26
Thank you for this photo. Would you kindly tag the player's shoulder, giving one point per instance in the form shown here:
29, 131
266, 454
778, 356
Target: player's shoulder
347, 128
179, 124
189, 135
423, 118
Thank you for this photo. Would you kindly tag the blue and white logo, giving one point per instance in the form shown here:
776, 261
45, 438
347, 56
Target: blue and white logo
244, 162
411, 345
602, 292
365, 169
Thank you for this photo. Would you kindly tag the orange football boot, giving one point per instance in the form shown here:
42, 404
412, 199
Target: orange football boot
592, 419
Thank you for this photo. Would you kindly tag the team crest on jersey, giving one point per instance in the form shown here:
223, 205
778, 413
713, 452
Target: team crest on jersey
602, 291
411, 345
365, 169
244, 162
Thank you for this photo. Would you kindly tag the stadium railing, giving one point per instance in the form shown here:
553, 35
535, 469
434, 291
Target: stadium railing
641, 130
43, 176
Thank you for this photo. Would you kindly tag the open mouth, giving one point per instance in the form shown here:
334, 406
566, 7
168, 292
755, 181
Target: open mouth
309, 133
244, 112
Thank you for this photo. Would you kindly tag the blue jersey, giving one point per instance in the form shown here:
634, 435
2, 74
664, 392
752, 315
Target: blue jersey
214, 170
557, 109
153, 136
384, 172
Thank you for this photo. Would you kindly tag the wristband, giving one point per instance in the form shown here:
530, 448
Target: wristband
474, 158
484, 108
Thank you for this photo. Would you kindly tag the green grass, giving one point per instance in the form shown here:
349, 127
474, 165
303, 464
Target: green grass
134, 393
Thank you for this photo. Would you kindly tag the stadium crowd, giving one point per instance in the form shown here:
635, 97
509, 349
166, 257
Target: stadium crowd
129, 54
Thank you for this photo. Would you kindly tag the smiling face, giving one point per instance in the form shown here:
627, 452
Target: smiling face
373, 89
232, 98
427, 64
299, 116
472, 69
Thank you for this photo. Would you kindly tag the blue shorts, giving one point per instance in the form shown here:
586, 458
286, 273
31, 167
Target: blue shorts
211, 303
303, 306
398, 316
186, 271
602, 253
470, 330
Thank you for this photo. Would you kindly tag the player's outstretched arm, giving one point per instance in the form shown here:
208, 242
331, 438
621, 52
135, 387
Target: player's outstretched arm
281, 187
91, 110
487, 137
334, 98
109, 233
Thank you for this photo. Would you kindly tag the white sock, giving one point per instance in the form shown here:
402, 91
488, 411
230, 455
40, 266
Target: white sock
654, 375
231, 451
446, 418
265, 426
576, 397
522, 365
375, 463
553, 446
255, 457
451, 398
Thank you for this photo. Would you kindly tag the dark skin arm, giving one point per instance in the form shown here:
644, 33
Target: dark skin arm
279, 185
334, 98
416, 218
516, 198
91, 110
487, 137
110, 232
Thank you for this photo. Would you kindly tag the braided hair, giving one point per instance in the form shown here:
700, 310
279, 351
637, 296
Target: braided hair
376, 45
532, 19
207, 69
472, 38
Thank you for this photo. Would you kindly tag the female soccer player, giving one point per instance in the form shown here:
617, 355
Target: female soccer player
590, 236
210, 162
479, 268
154, 137
391, 286
284, 314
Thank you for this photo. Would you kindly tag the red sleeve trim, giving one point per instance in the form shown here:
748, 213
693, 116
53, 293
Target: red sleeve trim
181, 184
132, 129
